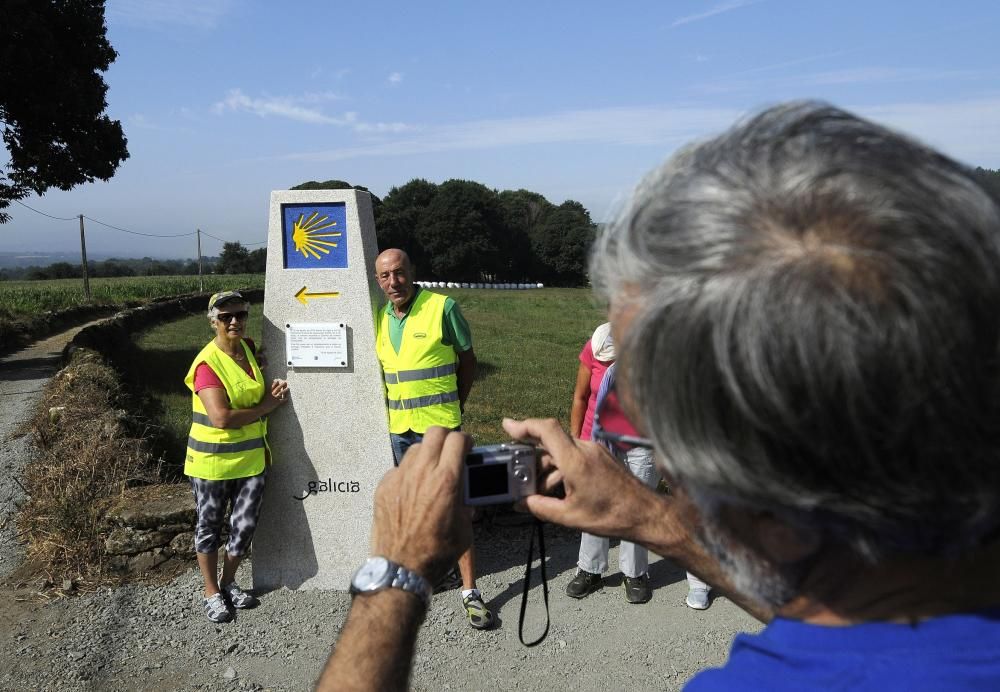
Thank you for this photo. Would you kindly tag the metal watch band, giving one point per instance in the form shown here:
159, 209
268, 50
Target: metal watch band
390, 575
408, 580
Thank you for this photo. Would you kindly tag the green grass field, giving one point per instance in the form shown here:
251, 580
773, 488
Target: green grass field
527, 343
25, 298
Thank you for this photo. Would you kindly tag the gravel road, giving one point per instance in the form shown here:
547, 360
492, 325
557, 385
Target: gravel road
154, 637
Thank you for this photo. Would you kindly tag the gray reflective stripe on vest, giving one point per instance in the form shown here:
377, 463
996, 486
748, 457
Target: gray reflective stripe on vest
420, 401
201, 419
225, 447
423, 374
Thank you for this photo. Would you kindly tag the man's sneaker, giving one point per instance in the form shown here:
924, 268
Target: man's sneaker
697, 598
452, 580
637, 589
237, 597
479, 617
216, 609
584, 584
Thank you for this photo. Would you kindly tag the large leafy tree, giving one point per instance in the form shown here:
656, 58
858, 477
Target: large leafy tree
53, 98
524, 213
561, 243
234, 259
341, 185
402, 212
257, 261
462, 231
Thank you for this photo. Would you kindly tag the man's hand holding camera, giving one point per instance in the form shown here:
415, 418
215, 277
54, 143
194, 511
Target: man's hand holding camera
422, 523
598, 496
420, 520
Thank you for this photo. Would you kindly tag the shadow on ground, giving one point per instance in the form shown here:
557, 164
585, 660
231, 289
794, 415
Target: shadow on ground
502, 538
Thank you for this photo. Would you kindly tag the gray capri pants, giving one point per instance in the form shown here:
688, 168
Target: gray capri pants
211, 499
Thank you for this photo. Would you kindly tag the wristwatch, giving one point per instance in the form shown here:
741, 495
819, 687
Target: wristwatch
381, 573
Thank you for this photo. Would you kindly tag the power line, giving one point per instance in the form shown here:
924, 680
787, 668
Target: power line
212, 236
147, 235
232, 241
57, 218
125, 230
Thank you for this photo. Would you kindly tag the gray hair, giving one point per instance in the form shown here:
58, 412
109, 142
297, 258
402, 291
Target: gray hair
817, 304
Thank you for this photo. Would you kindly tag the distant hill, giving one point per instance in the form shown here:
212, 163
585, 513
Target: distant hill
17, 266
41, 258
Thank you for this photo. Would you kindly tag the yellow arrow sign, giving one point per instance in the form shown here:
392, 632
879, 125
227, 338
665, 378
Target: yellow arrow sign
303, 296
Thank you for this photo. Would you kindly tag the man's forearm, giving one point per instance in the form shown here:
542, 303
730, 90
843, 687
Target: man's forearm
464, 387
465, 374
576, 416
375, 648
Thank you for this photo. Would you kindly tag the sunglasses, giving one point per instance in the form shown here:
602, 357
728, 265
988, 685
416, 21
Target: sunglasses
228, 317
599, 434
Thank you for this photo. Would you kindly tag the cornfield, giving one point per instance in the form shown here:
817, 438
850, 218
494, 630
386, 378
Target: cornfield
25, 298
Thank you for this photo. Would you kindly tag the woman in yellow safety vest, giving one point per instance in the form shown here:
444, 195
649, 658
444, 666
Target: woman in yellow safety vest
227, 453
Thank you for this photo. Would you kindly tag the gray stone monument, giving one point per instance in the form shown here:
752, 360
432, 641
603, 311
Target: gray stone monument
331, 442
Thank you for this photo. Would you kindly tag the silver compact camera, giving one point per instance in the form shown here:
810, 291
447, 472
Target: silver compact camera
495, 474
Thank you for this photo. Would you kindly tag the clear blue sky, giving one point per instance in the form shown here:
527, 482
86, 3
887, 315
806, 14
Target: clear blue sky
223, 101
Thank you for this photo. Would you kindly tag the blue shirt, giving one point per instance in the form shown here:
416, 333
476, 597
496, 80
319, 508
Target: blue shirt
953, 652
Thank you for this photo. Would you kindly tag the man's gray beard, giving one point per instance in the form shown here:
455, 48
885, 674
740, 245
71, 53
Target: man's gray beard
749, 575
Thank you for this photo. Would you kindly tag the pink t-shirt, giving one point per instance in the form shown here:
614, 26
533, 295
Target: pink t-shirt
205, 377
612, 417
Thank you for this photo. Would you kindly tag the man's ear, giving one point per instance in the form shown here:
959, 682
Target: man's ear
773, 538
783, 543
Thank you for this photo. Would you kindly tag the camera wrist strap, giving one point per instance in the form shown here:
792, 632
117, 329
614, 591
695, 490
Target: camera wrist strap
538, 527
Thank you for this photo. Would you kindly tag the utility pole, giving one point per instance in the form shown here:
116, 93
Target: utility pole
83, 254
201, 279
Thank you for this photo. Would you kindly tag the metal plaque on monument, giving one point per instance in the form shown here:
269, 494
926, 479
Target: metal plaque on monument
330, 443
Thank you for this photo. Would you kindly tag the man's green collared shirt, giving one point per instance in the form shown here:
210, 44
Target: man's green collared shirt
455, 331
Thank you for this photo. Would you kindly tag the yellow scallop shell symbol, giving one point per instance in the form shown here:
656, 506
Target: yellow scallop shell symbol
307, 237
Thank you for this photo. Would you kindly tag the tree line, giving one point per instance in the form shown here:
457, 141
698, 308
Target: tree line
461, 230
234, 259
989, 179
111, 267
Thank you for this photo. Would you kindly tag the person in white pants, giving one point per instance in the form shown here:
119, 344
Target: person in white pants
633, 560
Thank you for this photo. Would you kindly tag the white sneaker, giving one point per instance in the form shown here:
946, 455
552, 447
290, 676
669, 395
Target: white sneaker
697, 598
216, 608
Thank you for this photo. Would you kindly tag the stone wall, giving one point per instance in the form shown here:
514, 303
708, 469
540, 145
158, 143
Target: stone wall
20, 332
150, 525
108, 337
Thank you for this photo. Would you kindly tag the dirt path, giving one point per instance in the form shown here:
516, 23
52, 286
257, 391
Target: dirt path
156, 638
23, 375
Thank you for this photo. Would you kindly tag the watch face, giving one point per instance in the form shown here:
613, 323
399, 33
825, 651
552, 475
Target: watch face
372, 574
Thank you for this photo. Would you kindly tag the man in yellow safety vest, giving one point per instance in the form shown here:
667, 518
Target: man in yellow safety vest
425, 346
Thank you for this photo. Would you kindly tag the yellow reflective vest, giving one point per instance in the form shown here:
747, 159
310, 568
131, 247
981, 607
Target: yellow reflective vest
224, 453
421, 381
